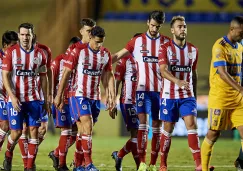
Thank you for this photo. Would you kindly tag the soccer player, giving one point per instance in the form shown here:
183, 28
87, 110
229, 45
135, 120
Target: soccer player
23, 140
239, 161
86, 25
9, 38
145, 50
225, 103
178, 66
62, 119
127, 74
23, 63
91, 60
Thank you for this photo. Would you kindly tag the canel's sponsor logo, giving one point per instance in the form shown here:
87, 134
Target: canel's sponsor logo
28, 73
150, 59
178, 68
92, 72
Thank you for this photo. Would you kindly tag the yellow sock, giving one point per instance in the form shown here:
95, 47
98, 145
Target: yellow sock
206, 153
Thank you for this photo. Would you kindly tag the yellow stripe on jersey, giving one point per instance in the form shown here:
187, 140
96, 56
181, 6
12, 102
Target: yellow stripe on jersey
221, 94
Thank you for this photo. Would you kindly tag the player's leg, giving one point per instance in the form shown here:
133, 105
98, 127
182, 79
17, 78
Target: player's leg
33, 121
16, 126
77, 127
188, 111
142, 136
44, 126
4, 125
236, 119
23, 144
86, 114
156, 129
169, 114
217, 121
131, 120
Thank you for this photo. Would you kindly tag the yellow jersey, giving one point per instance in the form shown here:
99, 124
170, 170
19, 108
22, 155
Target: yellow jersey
221, 94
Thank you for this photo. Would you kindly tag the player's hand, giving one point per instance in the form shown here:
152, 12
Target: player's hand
46, 107
241, 91
16, 103
58, 102
113, 113
183, 84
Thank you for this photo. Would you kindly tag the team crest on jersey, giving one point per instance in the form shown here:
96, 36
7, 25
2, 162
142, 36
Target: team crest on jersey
36, 60
189, 55
217, 111
5, 112
86, 58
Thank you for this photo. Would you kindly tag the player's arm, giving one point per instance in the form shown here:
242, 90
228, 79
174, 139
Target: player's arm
6, 76
119, 55
224, 75
44, 87
194, 82
165, 73
219, 62
63, 83
194, 75
69, 65
6, 82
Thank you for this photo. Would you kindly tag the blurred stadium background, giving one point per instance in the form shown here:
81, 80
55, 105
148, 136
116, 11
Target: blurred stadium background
56, 21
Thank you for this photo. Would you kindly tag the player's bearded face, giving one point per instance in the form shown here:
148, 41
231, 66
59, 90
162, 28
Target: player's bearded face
96, 43
238, 33
179, 30
153, 27
25, 37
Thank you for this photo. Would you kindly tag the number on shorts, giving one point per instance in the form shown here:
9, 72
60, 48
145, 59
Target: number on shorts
81, 100
13, 112
164, 102
141, 96
131, 111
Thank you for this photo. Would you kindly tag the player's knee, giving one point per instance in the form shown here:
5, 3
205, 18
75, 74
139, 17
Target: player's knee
15, 134
213, 135
168, 127
5, 126
156, 123
134, 132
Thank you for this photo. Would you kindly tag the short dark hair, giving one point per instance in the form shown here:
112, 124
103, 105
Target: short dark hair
87, 22
27, 26
8, 37
238, 19
175, 18
74, 40
97, 31
158, 16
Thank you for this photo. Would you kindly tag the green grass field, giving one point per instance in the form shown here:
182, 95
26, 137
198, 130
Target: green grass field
180, 158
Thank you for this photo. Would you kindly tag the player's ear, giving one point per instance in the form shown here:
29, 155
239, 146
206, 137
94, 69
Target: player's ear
172, 30
148, 22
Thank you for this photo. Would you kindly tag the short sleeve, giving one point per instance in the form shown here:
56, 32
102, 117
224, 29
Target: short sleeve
108, 66
162, 55
130, 45
7, 61
194, 65
218, 56
72, 60
120, 69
